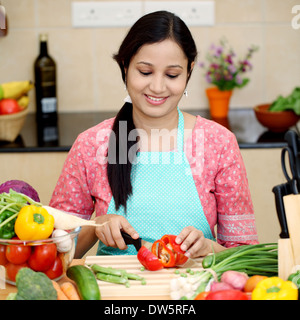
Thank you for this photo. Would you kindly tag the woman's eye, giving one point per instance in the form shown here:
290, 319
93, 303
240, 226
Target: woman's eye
172, 76
145, 73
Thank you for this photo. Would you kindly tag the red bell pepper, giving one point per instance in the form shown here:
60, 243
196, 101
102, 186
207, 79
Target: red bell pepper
227, 295
168, 251
148, 259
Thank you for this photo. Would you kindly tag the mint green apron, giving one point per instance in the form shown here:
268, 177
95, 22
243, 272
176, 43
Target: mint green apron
164, 198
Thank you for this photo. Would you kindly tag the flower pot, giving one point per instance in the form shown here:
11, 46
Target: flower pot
218, 102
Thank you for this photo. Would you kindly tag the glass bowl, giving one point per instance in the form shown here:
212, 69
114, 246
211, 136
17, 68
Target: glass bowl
52, 256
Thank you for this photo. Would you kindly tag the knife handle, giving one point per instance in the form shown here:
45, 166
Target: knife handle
129, 240
280, 191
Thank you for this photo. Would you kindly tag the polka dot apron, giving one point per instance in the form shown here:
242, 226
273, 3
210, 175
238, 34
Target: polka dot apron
164, 198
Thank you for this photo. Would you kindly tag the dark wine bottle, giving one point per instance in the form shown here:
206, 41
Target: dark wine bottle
45, 83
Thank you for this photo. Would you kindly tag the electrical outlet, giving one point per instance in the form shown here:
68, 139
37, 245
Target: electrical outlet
105, 13
193, 13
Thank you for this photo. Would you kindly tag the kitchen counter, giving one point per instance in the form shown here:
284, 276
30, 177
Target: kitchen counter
60, 137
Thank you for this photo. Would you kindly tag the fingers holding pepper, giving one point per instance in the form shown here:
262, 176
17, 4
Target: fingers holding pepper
193, 242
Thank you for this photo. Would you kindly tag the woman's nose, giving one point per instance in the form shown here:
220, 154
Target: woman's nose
157, 84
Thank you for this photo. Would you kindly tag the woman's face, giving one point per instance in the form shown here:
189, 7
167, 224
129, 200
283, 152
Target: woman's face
156, 78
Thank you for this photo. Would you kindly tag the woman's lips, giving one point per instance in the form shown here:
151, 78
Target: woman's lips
155, 100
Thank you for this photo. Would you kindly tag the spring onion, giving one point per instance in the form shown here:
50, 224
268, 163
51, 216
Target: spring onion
259, 259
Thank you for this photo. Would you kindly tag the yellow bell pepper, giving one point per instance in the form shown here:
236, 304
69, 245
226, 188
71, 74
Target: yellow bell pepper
34, 223
275, 288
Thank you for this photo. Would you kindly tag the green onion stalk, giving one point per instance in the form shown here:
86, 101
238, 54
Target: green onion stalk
259, 259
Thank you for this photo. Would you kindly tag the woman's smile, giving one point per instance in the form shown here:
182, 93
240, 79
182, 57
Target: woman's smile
155, 100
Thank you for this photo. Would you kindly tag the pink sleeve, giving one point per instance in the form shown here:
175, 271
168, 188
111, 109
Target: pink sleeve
71, 192
236, 221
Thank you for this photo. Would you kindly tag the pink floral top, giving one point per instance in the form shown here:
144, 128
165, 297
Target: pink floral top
217, 167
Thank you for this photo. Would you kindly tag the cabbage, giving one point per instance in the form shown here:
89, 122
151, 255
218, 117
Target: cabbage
20, 186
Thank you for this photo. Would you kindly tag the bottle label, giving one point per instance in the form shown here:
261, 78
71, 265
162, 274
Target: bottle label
48, 105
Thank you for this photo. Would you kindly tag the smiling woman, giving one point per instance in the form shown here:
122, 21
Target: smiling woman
154, 170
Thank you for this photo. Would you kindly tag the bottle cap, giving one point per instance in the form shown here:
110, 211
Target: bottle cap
43, 37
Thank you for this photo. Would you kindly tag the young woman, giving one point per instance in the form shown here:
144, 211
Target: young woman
154, 170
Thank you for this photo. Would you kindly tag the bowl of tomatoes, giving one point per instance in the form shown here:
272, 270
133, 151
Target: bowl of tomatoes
51, 256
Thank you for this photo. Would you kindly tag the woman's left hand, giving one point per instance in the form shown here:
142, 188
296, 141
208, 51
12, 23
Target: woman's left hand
193, 242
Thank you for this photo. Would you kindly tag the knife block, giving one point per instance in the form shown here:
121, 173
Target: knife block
289, 249
286, 260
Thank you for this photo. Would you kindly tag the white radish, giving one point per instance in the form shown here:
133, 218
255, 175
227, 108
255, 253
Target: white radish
67, 221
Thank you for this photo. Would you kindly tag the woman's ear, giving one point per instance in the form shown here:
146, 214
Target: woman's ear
190, 71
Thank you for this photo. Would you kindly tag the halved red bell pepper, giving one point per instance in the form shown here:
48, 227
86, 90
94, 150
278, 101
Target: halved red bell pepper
148, 259
168, 251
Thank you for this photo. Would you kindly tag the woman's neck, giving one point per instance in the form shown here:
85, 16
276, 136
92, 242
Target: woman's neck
156, 133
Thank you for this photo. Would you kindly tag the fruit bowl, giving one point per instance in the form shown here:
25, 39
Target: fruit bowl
51, 256
11, 125
275, 121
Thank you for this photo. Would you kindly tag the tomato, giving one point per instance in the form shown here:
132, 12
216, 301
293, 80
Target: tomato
3, 260
8, 106
56, 270
43, 257
252, 282
12, 270
17, 254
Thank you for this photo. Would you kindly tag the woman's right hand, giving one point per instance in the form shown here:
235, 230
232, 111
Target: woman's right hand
110, 232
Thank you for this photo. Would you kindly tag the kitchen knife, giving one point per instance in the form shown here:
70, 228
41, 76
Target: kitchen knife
138, 243
280, 191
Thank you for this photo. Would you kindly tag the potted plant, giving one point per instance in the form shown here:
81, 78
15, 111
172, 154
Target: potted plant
225, 71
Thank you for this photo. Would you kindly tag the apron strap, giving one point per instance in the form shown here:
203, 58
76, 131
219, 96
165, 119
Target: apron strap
180, 131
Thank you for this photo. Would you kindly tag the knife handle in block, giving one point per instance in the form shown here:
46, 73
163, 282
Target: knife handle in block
129, 240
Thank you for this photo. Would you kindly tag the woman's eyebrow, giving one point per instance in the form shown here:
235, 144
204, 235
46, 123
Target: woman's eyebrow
170, 66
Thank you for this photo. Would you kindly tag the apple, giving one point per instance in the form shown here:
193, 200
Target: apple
9, 106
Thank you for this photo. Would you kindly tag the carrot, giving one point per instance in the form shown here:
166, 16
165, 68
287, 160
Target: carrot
70, 291
60, 293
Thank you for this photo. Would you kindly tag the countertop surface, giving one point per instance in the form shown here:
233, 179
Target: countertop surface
60, 137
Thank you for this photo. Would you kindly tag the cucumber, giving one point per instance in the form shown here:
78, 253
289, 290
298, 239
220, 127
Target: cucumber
86, 282
208, 261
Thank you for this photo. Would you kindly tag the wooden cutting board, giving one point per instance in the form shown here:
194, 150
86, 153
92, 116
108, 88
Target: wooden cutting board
157, 282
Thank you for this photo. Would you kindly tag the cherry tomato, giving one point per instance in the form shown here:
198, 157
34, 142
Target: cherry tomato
3, 260
8, 106
12, 270
43, 257
56, 270
17, 254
